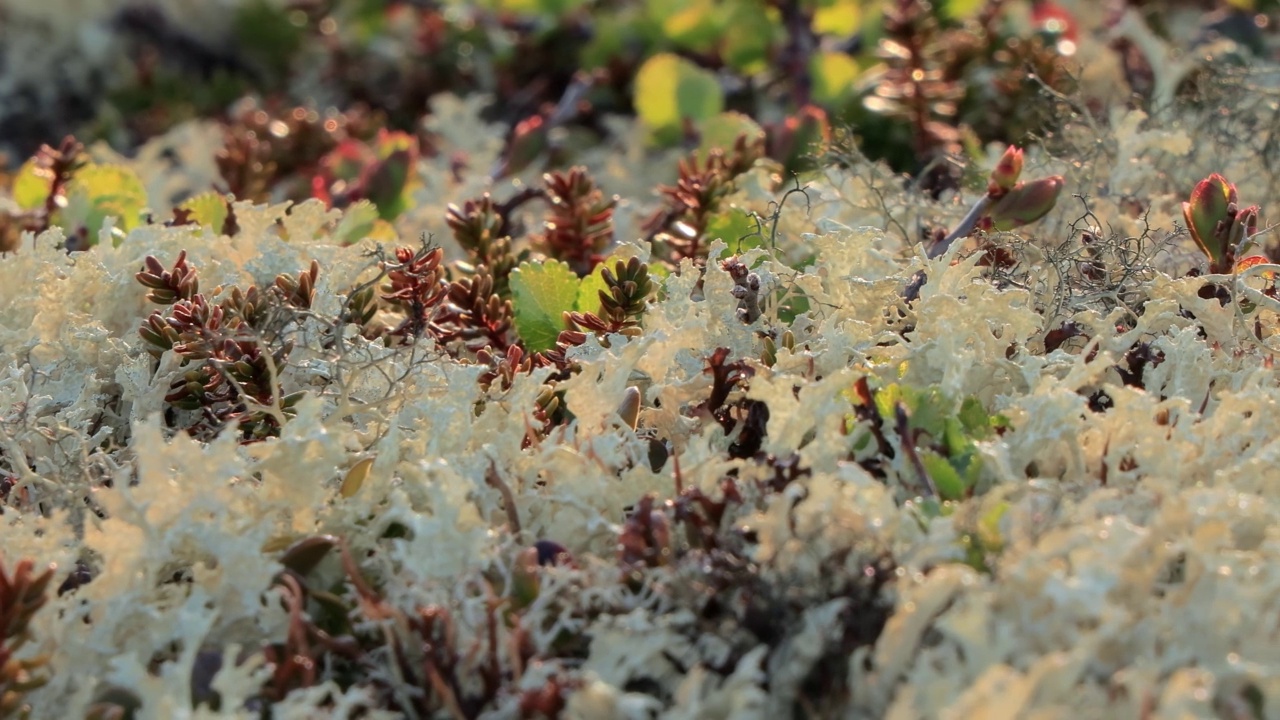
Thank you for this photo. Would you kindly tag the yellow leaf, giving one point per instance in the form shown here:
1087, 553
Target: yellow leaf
355, 478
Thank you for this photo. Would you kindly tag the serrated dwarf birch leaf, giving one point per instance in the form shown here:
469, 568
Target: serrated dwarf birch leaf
208, 209
355, 478
31, 185
541, 294
945, 477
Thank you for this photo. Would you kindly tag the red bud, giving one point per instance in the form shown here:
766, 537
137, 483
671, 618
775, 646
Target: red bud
1005, 175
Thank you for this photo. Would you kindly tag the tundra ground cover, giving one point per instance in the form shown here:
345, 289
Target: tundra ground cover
685, 372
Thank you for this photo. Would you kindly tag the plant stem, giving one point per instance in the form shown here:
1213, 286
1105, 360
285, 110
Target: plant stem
965, 227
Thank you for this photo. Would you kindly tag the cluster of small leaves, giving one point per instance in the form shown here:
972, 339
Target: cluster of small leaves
933, 61
271, 152
60, 186
464, 316
382, 172
22, 593
679, 227
577, 229
704, 561
409, 660
744, 420
579, 225
232, 352
622, 303
38, 189
555, 70
424, 660
482, 228
937, 437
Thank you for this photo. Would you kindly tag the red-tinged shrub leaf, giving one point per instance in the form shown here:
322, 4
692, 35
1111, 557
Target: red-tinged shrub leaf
1246, 263
528, 142
390, 142
347, 160
1208, 206
386, 183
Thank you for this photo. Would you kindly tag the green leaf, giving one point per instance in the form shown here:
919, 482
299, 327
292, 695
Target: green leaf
208, 209
540, 295
886, 400
695, 25
31, 186
957, 441
792, 303
723, 130
977, 423
386, 184
100, 191
751, 29
357, 223
834, 74
989, 527
738, 230
669, 90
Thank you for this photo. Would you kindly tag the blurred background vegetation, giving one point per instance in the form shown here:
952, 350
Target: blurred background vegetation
913, 83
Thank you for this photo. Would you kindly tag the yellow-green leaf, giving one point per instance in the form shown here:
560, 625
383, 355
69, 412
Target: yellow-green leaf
961, 9
834, 74
842, 18
31, 185
669, 90
101, 191
945, 477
